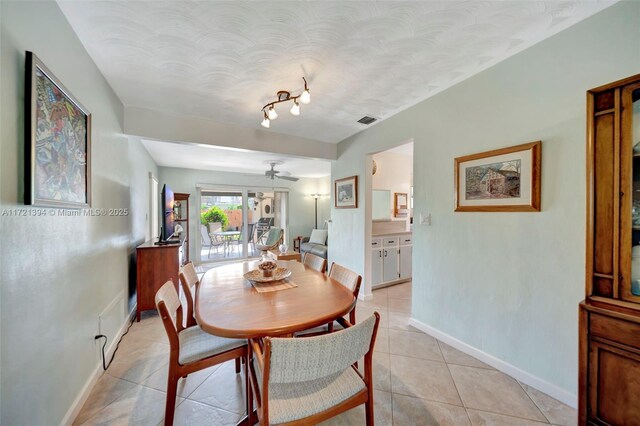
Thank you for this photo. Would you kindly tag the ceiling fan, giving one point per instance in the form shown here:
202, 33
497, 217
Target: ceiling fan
273, 173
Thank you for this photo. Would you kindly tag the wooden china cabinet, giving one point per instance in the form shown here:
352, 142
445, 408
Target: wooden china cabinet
181, 216
609, 353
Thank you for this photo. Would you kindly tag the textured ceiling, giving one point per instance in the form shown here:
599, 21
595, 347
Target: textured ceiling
225, 60
207, 157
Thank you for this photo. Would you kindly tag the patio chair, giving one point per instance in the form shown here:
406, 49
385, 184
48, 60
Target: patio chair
294, 385
207, 241
270, 240
250, 239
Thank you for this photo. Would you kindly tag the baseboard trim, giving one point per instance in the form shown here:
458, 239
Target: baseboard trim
515, 372
82, 397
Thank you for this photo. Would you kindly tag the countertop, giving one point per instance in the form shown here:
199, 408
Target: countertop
385, 234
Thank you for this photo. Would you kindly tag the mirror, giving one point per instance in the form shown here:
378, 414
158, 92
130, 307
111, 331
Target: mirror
381, 204
400, 204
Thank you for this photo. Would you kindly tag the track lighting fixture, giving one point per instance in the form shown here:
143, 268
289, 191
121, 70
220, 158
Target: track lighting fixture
269, 112
266, 122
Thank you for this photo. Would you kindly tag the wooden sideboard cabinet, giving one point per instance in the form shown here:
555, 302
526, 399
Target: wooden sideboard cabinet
156, 264
609, 348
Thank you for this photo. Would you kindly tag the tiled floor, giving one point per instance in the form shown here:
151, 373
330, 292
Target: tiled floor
418, 381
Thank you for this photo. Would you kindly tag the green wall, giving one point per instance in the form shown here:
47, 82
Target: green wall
507, 284
57, 274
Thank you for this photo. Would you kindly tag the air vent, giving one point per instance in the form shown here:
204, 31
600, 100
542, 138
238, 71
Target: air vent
367, 120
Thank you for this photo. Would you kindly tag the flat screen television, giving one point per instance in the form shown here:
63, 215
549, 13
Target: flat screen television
167, 213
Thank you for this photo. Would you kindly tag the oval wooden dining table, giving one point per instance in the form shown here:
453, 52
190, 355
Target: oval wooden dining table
228, 305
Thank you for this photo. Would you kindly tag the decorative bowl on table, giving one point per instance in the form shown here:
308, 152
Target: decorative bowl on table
258, 276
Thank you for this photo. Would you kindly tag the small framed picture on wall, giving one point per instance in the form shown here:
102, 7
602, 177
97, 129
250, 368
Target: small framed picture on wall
346, 193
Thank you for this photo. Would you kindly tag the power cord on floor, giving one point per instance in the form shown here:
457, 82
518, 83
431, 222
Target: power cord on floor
100, 336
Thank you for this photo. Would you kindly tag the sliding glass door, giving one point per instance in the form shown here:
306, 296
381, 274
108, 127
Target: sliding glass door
233, 220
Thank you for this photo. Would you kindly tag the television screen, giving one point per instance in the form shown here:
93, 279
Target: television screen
167, 212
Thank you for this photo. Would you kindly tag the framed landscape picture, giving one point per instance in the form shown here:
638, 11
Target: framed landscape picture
346, 193
503, 180
57, 142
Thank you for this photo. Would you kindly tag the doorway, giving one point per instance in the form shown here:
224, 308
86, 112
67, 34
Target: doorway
232, 221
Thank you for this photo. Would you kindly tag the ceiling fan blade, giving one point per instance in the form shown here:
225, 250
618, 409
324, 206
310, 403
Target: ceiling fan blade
292, 179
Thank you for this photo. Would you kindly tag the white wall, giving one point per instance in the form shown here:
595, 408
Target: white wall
395, 173
57, 274
507, 284
165, 126
301, 204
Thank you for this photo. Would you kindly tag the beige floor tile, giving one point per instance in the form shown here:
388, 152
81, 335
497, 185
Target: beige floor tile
222, 389
381, 413
454, 356
378, 301
408, 410
399, 305
493, 391
150, 327
139, 406
414, 344
400, 291
382, 290
422, 378
381, 372
382, 340
191, 413
137, 364
106, 390
482, 418
555, 411
364, 312
158, 380
400, 321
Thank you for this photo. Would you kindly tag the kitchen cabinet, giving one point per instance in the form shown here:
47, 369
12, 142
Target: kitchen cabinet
391, 259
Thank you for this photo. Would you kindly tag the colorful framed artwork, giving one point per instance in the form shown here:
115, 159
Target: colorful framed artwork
503, 180
346, 193
57, 142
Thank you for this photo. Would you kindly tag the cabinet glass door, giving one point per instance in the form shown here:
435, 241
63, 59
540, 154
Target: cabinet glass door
634, 289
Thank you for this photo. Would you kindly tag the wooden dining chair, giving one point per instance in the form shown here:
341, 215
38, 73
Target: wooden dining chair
305, 381
191, 348
190, 282
315, 262
350, 280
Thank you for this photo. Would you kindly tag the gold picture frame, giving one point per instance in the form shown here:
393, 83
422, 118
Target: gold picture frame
346, 193
502, 180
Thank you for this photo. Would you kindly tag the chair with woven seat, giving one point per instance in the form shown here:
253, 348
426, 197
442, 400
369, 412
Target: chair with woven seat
190, 282
303, 381
350, 280
191, 348
270, 240
315, 262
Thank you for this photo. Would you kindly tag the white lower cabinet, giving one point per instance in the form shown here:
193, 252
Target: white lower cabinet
376, 266
390, 259
405, 262
390, 264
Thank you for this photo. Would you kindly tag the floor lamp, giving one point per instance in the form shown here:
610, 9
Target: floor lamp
315, 197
